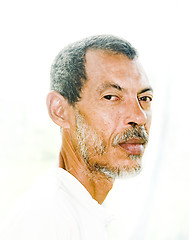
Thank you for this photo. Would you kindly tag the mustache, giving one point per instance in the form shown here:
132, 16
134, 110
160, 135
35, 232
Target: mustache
138, 132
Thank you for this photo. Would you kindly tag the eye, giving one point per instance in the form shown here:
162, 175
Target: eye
146, 99
111, 97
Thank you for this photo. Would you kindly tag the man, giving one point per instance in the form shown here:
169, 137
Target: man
101, 100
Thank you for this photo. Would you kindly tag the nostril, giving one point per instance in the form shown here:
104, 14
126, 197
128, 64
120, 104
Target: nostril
133, 124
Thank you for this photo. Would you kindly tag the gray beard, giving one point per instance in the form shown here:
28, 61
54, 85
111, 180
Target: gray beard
117, 173
84, 132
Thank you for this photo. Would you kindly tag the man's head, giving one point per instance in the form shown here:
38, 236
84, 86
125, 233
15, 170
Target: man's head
102, 96
68, 73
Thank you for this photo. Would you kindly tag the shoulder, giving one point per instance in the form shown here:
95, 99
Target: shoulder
42, 213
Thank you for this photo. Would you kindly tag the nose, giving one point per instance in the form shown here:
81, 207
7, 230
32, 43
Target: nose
134, 114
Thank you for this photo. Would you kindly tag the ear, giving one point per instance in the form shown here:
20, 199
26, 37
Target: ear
58, 109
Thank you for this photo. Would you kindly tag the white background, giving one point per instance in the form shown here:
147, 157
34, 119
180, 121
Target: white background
153, 205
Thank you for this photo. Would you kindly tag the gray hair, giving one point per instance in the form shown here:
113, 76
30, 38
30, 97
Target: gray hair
68, 69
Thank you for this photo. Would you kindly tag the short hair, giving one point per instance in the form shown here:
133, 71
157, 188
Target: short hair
68, 69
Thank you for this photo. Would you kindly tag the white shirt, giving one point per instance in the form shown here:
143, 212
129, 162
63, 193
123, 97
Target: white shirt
58, 207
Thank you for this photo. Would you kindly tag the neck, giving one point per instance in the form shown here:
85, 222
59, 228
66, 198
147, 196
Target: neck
96, 183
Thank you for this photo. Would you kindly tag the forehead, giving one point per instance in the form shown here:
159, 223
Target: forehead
104, 67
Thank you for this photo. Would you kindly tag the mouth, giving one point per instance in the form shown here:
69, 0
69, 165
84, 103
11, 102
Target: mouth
133, 146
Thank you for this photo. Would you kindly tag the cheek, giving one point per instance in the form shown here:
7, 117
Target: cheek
107, 122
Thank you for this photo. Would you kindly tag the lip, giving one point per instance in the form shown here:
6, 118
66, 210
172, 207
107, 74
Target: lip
133, 146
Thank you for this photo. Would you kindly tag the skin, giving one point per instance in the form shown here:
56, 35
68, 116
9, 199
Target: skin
116, 97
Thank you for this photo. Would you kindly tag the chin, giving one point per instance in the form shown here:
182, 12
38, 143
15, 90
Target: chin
131, 167
117, 173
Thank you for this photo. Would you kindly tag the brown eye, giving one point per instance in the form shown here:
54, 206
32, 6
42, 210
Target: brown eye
111, 97
145, 99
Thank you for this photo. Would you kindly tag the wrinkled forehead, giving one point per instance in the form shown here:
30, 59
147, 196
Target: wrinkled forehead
109, 66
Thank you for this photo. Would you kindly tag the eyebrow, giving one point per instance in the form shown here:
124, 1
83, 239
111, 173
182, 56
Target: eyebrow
109, 85
116, 86
146, 90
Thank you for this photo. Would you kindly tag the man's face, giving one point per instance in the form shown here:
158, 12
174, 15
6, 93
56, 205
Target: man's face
113, 117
